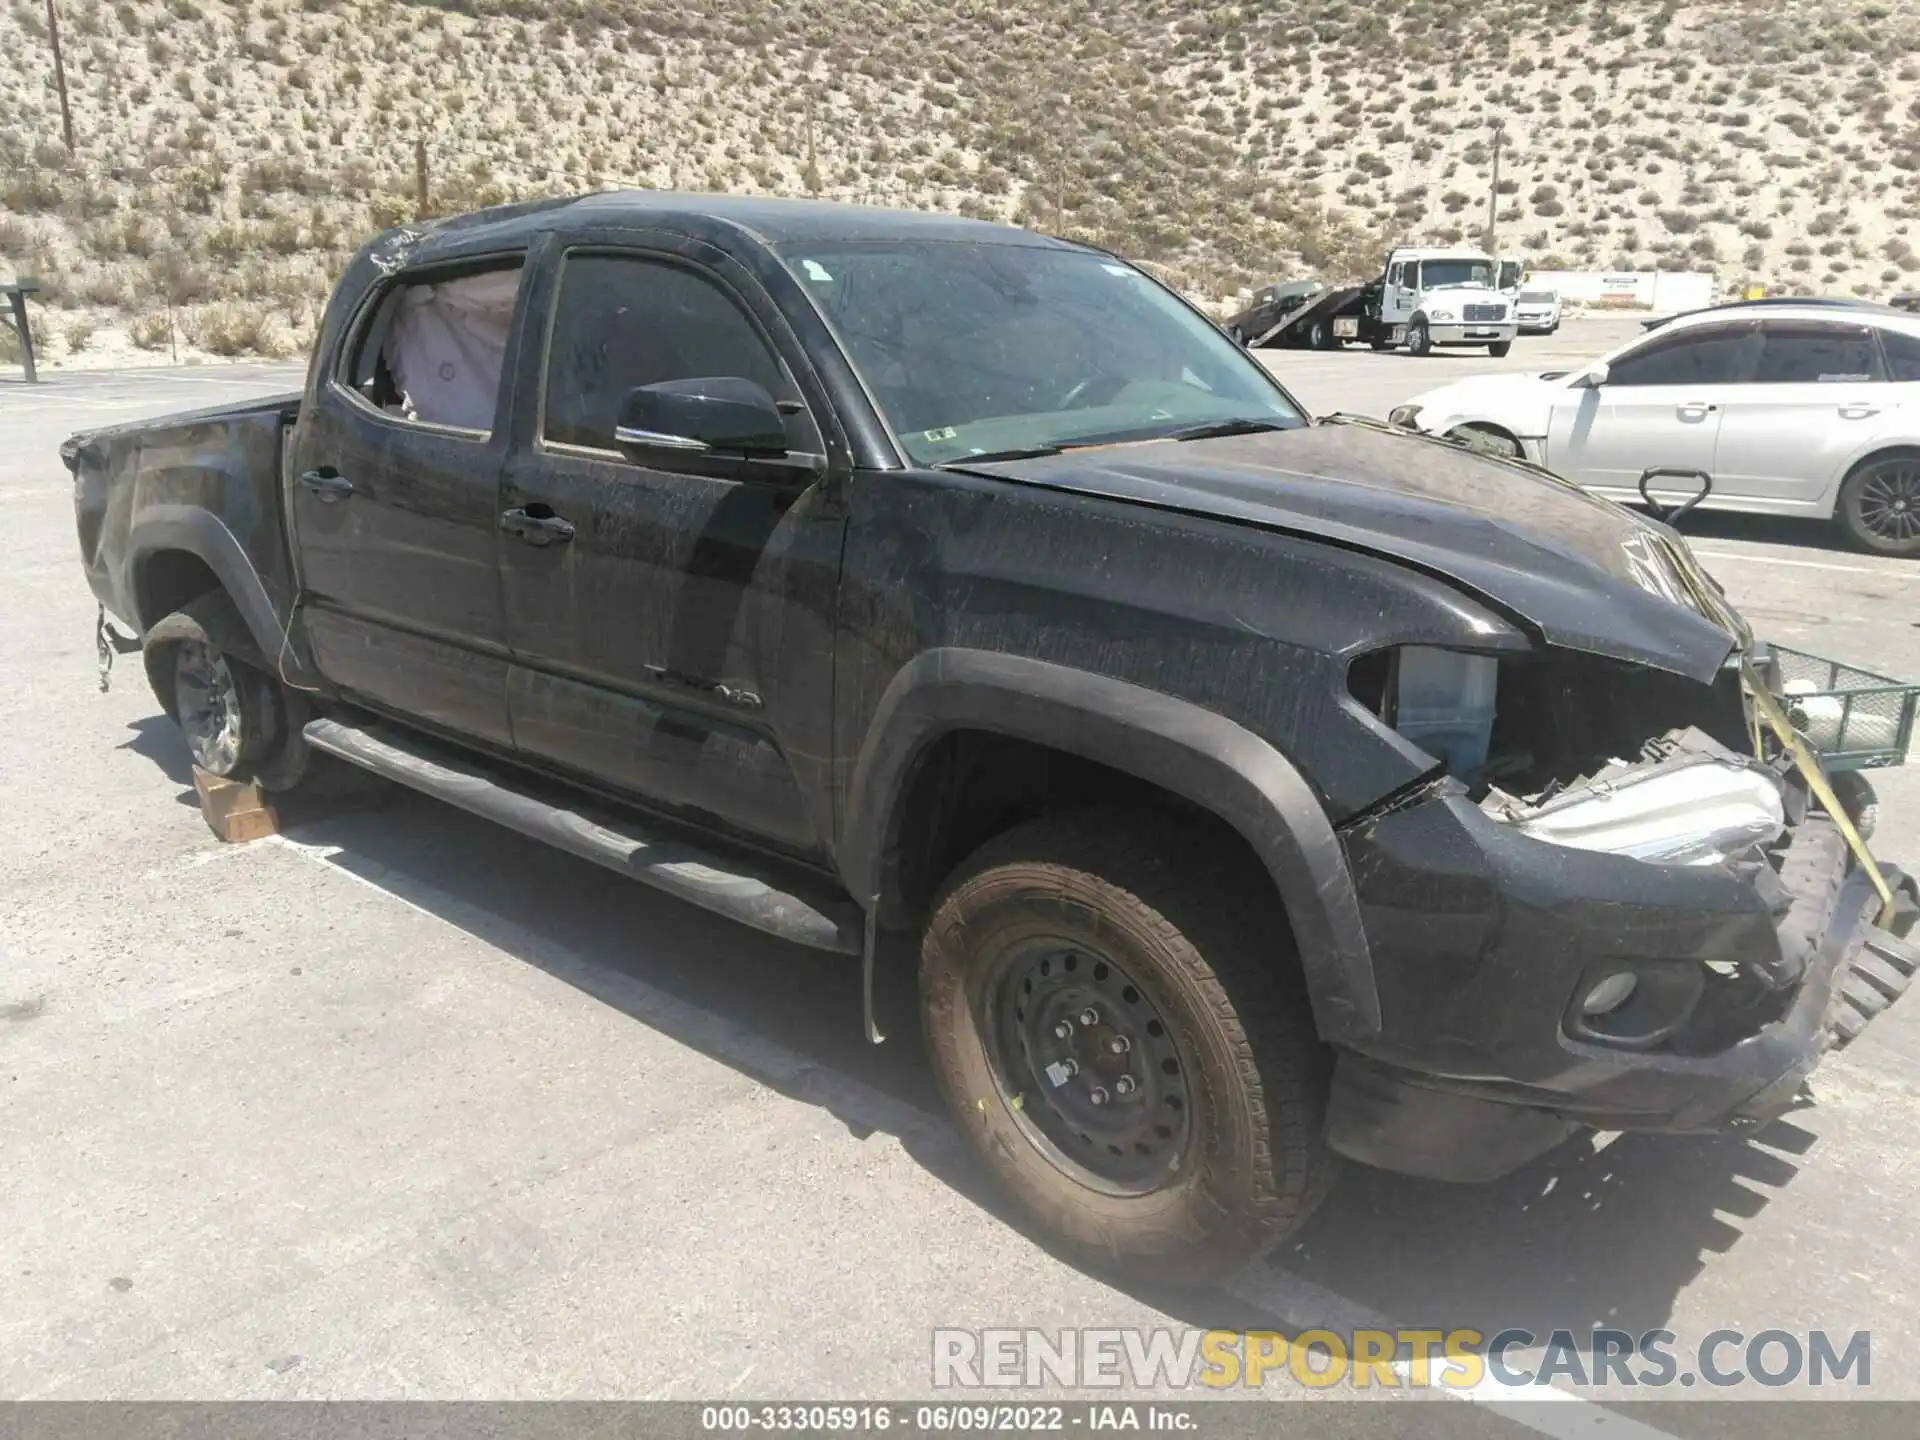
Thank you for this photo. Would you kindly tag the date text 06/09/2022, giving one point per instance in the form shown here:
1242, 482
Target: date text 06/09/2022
945, 1418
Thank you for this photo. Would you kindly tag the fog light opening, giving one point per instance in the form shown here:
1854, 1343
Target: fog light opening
1609, 994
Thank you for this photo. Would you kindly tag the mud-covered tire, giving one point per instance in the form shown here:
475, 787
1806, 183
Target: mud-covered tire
207, 636
1193, 921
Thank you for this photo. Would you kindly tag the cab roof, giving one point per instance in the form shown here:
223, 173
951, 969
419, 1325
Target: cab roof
772, 220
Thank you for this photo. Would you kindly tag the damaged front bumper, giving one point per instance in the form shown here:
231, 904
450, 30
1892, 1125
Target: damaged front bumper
1503, 943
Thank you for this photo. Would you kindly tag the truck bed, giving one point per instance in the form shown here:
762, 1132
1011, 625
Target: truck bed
162, 504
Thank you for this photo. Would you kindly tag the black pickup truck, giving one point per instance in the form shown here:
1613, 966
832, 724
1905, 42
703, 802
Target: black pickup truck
1257, 789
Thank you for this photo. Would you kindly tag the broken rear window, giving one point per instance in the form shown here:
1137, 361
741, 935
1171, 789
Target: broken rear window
434, 348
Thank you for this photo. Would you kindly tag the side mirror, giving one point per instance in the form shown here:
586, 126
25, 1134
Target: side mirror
1595, 377
720, 414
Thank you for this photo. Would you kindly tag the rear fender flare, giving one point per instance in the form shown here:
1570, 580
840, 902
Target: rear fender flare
201, 533
1180, 747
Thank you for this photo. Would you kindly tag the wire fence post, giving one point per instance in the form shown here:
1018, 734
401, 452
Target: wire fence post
60, 73
22, 326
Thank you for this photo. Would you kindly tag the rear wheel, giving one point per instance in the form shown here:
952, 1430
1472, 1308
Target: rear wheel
1320, 335
1127, 1043
1880, 505
211, 678
1419, 338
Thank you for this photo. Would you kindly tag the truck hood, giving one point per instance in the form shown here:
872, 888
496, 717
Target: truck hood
1583, 572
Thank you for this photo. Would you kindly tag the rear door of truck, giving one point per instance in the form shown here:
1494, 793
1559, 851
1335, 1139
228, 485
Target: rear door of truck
395, 483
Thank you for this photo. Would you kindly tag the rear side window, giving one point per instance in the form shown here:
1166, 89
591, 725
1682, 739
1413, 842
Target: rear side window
622, 322
1693, 357
1807, 354
433, 349
1903, 355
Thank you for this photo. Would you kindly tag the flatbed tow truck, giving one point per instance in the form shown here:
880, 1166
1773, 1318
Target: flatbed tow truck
1422, 298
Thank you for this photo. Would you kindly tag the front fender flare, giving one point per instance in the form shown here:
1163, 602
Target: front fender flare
1192, 752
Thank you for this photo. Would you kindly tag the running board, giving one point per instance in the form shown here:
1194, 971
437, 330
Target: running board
725, 886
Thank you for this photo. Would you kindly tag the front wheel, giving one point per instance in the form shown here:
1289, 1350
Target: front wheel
1488, 440
1120, 1026
1880, 505
1419, 338
1499, 350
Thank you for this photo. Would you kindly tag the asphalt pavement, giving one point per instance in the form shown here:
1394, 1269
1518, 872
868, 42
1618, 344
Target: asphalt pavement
401, 1105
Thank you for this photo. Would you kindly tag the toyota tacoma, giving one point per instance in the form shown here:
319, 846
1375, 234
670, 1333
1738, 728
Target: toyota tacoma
1257, 790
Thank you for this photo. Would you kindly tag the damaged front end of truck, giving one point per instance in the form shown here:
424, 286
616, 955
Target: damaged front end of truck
1626, 899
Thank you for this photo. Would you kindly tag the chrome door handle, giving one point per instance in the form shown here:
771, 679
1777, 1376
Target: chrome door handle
329, 485
540, 530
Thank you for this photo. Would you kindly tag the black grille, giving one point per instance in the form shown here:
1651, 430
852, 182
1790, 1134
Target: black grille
1483, 313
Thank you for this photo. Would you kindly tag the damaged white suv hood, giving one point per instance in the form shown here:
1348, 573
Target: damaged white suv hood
1519, 404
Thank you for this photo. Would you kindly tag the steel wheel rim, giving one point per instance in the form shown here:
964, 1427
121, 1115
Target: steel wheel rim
1888, 503
207, 700
1136, 1139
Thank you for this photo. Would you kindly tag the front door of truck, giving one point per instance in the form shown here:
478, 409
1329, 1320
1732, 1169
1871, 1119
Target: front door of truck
669, 621
1396, 306
393, 489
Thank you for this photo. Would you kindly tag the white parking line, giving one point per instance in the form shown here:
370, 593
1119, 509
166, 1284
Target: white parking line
1289, 1298
1809, 564
1564, 1416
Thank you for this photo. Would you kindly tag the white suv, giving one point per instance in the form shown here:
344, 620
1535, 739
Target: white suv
1793, 408
1538, 312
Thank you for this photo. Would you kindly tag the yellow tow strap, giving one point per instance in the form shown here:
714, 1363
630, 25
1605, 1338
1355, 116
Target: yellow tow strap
1769, 708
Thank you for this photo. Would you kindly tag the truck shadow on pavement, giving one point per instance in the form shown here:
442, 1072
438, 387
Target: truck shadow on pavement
1585, 1236
157, 738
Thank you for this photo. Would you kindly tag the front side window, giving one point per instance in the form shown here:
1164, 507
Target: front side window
434, 348
1812, 354
1723, 356
972, 349
1903, 355
622, 322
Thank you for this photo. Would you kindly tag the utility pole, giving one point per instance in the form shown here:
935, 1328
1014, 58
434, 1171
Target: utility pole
420, 175
60, 73
1493, 191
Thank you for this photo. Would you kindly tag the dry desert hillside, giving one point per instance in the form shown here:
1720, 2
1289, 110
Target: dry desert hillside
228, 155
